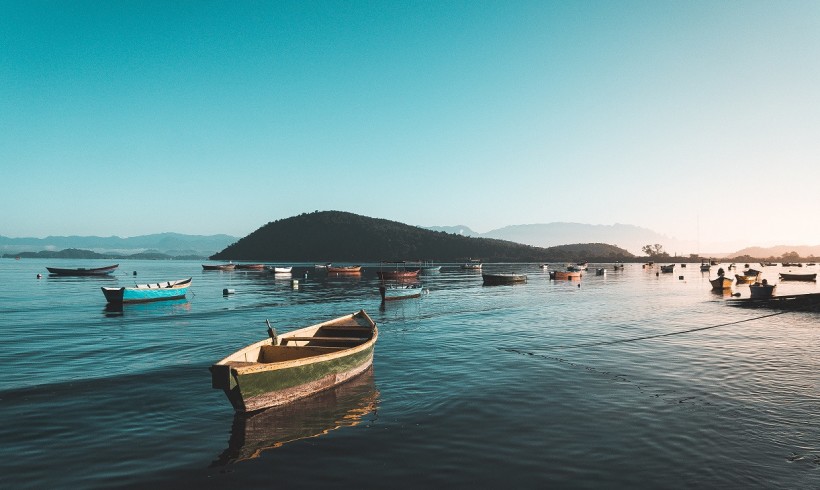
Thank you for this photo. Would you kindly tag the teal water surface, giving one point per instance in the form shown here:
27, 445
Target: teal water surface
610, 382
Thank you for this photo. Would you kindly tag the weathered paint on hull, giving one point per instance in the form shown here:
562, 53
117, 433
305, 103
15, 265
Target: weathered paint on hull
255, 391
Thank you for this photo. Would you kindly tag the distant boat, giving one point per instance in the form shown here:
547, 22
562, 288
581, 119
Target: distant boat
346, 269
745, 279
543, 266
721, 283
574, 268
618, 267
411, 274
144, 293
250, 267
218, 267
583, 265
474, 265
399, 291
705, 266
600, 271
565, 275
322, 266
786, 276
280, 270
98, 271
504, 278
285, 368
668, 268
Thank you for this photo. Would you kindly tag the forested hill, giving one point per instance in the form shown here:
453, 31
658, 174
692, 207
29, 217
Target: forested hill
334, 236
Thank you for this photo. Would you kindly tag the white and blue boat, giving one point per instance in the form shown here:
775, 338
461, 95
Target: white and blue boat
143, 293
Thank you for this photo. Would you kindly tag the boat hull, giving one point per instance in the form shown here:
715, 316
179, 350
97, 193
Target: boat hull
798, 277
501, 279
99, 271
409, 274
398, 293
721, 283
564, 275
275, 372
146, 294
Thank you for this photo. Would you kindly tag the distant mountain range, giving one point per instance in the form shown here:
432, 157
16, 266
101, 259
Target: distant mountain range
174, 244
629, 237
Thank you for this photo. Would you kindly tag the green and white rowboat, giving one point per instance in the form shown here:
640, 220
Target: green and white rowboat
284, 368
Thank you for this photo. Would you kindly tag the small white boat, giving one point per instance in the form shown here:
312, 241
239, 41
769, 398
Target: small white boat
280, 270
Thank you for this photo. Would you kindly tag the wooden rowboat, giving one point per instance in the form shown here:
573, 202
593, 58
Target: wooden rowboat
398, 291
399, 274
745, 279
250, 267
98, 271
144, 293
218, 267
565, 275
721, 282
345, 269
284, 368
786, 276
280, 270
499, 279
668, 268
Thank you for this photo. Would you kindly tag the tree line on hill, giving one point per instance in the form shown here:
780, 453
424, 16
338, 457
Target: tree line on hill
75, 253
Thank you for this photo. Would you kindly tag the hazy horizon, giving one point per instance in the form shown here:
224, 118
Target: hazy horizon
696, 120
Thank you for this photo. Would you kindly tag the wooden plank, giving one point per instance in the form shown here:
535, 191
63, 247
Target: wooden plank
324, 339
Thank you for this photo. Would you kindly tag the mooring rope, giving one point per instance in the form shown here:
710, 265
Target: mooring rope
669, 334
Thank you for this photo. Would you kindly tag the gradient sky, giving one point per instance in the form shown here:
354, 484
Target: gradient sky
699, 120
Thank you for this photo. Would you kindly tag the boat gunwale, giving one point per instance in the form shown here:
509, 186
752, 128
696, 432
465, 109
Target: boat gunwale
256, 366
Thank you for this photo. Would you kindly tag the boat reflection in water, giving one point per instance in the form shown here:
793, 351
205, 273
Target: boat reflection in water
344, 406
168, 307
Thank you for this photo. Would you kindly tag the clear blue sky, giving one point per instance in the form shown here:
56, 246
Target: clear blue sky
694, 119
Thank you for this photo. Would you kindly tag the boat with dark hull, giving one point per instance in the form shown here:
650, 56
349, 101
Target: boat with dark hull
793, 302
790, 276
297, 364
82, 271
503, 278
720, 283
668, 268
745, 279
145, 293
250, 267
218, 267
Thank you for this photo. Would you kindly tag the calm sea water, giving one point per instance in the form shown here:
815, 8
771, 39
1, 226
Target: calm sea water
611, 382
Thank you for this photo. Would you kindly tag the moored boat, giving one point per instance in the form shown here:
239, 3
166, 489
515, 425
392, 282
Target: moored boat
344, 269
565, 275
503, 278
398, 272
250, 267
400, 291
284, 368
668, 268
745, 279
761, 290
721, 282
144, 293
473, 265
600, 271
705, 266
82, 271
790, 276
280, 270
792, 302
218, 267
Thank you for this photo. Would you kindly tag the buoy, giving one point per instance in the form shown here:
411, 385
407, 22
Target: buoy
226, 291
680, 278
135, 273
39, 276
294, 284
